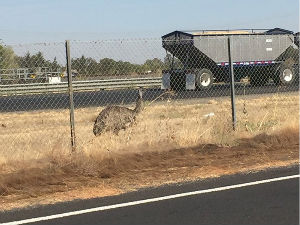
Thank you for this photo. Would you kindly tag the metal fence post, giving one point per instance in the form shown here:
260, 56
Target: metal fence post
71, 102
232, 92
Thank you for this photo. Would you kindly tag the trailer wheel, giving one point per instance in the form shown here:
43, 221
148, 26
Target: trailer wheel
285, 75
204, 79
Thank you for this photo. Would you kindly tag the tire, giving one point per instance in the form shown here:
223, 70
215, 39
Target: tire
285, 74
204, 79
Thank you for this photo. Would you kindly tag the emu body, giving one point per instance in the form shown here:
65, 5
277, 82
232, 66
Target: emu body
115, 118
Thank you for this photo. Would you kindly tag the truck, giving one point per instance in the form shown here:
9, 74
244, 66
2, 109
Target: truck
258, 55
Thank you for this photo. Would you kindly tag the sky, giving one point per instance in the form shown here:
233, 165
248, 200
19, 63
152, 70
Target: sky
30, 21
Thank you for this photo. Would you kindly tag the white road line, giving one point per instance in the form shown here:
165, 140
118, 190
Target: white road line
126, 204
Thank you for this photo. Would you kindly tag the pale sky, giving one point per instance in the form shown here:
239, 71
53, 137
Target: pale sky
27, 21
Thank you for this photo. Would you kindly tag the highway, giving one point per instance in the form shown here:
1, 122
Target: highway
123, 96
266, 197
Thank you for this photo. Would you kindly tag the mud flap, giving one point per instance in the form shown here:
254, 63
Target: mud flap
165, 84
190, 82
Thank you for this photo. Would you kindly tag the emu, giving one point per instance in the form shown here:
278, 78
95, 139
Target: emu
115, 118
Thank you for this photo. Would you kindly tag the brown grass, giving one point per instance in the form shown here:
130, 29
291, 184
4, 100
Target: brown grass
32, 136
171, 142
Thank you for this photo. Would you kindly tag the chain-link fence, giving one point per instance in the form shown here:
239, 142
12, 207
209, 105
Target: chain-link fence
34, 115
163, 93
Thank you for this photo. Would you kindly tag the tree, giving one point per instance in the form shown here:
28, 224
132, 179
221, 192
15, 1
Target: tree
33, 61
85, 66
107, 66
7, 58
153, 65
55, 66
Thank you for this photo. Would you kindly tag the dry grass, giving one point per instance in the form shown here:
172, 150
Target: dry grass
31, 136
170, 142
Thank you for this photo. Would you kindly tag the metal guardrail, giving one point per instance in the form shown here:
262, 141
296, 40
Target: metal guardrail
92, 85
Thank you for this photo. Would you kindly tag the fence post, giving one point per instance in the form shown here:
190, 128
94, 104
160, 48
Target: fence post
232, 92
71, 102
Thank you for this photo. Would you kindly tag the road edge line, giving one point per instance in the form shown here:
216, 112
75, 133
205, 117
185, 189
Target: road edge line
138, 202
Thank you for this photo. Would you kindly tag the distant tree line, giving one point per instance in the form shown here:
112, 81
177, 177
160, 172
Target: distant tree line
9, 60
85, 66
37, 60
107, 66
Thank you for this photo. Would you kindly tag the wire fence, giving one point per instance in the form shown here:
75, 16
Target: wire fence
178, 91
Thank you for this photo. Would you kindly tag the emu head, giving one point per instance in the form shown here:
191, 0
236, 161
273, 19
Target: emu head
96, 130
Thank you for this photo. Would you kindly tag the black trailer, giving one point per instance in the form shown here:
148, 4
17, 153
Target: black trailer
260, 55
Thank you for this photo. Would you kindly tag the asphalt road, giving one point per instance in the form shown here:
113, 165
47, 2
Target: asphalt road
276, 202
105, 97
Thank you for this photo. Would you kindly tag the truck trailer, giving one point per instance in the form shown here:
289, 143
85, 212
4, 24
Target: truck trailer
259, 55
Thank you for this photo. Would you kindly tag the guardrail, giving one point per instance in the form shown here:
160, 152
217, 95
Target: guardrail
92, 85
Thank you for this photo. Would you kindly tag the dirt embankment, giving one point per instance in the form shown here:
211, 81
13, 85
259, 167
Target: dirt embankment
83, 176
